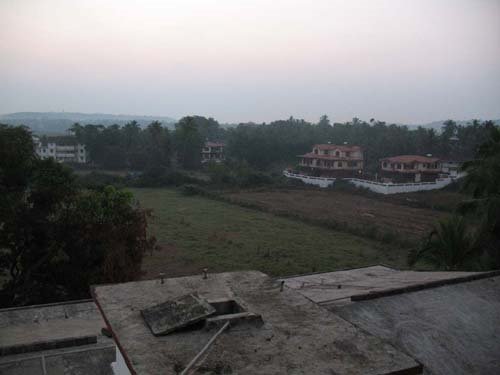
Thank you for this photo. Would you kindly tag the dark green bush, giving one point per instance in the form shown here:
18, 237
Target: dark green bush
192, 189
95, 180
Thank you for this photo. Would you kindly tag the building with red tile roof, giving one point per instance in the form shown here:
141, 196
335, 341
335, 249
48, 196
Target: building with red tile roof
410, 168
329, 160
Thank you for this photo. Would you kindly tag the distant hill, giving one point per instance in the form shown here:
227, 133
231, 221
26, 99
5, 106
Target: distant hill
59, 122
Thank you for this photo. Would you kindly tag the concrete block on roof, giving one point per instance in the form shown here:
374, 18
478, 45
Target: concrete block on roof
177, 313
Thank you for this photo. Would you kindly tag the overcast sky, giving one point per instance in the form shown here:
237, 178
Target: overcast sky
409, 61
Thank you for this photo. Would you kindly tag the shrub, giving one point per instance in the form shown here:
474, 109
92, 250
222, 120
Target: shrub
192, 189
96, 180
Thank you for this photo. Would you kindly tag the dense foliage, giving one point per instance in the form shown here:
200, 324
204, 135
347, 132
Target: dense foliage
483, 183
56, 240
273, 145
460, 244
281, 141
130, 146
449, 246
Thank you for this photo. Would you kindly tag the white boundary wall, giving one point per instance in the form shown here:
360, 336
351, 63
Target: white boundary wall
318, 181
377, 187
386, 188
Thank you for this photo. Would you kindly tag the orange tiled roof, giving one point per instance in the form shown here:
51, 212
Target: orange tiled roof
410, 159
337, 147
327, 157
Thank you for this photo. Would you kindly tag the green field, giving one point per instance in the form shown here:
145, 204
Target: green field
196, 232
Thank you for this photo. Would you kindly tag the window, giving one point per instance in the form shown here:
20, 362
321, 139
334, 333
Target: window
337, 153
316, 151
325, 152
339, 164
347, 154
384, 164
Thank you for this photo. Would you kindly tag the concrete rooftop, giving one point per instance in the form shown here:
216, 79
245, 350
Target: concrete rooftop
297, 336
450, 329
60, 338
338, 287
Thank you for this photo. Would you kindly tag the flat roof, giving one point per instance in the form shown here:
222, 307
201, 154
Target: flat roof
338, 287
297, 335
54, 338
450, 329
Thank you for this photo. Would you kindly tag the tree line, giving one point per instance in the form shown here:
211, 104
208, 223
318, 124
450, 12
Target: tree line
150, 148
270, 146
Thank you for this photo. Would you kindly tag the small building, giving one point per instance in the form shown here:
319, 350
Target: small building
327, 160
59, 338
213, 152
452, 167
65, 149
410, 168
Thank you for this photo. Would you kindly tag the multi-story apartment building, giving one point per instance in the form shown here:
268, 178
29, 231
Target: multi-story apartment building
61, 148
414, 168
333, 160
213, 151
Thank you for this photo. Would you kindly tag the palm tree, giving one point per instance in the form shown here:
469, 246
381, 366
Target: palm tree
448, 247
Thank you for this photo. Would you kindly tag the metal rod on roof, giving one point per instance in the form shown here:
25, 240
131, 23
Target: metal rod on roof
205, 348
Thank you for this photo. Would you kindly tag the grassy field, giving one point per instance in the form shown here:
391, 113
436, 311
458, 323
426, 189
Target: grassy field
367, 214
196, 232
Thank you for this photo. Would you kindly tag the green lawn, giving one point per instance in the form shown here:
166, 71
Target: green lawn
196, 232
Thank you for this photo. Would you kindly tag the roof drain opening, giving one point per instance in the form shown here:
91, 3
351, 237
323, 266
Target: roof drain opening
229, 310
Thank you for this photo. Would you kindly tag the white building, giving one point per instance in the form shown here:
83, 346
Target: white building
61, 148
452, 167
213, 152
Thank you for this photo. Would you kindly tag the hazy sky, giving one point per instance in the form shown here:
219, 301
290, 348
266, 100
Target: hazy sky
236, 60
